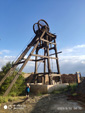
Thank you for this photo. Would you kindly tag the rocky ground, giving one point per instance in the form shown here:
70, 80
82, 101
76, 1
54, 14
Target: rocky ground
48, 103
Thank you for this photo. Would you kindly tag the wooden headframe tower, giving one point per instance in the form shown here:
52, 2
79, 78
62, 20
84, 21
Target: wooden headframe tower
43, 40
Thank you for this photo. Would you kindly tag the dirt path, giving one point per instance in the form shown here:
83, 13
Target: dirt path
54, 103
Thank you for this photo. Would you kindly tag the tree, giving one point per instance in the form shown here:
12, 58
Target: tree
7, 67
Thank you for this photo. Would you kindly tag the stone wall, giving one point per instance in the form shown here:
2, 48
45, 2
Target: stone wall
38, 88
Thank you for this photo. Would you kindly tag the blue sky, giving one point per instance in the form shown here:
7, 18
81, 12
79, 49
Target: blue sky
66, 18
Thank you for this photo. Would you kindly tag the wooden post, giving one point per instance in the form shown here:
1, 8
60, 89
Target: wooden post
36, 61
77, 77
57, 63
48, 60
44, 64
44, 61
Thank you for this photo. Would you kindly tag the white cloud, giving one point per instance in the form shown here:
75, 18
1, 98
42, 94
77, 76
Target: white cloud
0, 53
68, 50
76, 49
80, 46
4, 51
83, 62
5, 59
73, 59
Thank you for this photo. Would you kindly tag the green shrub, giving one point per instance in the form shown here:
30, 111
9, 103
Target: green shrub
7, 67
17, 89
66, 89
3, 99
74, 94
56, 92
72, 87
7, 98
19, 86
10, 99
13, 94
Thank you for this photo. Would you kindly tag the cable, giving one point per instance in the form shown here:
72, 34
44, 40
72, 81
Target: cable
52, 64
23, 48
38, 65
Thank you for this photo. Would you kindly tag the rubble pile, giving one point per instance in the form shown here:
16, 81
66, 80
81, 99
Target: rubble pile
68, 78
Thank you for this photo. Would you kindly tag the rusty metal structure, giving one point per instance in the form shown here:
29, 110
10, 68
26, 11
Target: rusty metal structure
43, 40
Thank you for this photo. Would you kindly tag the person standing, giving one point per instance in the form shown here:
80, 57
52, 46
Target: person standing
27, 90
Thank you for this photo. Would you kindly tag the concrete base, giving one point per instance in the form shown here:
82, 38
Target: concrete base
38, 88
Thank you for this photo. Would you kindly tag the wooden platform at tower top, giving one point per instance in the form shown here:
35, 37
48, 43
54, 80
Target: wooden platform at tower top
43, 40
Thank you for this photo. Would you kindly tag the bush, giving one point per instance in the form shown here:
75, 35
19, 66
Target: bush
7, 98
7, 67
13, 94
56, 92
17, 89
19, 86
72, 87
74, 94
1, 75
3, 99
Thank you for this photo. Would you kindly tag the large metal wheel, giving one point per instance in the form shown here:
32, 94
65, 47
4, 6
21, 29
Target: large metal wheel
39, 25
35, 27
42, 23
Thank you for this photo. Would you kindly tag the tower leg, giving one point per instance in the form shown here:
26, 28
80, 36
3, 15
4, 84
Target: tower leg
44, 61
44, 64
57, 63
48, 60
36, 61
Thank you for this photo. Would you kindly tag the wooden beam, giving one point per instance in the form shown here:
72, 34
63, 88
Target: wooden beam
41, 46
35, 61
38, 60
43, 56
51, 48
44, 63
9, 72
55, 53
48, 60
57, 62
59, 52
48, 41
50, 34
